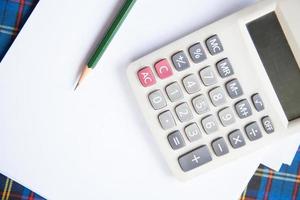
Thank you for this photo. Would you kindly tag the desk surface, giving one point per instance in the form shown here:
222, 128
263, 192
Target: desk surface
93, 143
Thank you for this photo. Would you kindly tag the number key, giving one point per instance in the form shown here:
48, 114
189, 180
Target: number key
226, 116
192, 132
209, 124
217, 96
191, 84
174, 92
157, 100
200, 104
208, 77
183, 112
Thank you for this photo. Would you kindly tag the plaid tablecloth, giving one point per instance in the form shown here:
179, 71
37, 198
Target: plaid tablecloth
268, 184
13, 15
10, 190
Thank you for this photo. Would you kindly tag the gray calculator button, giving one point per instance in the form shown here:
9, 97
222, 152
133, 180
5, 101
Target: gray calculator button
157, 100
236, 139
176, 141
209, 124
225, 68
174, 92
197, 53
220, 147
192, 132
183, 112
267, 124
191, 84
234, 89
257, 102
166, 120
200, 104
226, 116
253, 131
180, 61
217, 96
194, 158
214, 45
243, 109
208, 77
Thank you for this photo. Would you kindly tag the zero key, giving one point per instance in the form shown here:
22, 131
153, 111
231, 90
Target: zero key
195, 158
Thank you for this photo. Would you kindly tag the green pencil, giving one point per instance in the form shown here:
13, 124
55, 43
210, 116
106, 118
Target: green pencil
114, 27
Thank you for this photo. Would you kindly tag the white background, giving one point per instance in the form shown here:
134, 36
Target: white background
94, 143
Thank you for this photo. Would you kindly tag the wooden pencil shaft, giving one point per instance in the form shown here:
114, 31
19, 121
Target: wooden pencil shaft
110, 33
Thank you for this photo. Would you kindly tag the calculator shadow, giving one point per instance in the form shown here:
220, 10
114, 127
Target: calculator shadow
140, 120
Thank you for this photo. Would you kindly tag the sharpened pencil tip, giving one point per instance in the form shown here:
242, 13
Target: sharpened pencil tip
77, 84
84, 73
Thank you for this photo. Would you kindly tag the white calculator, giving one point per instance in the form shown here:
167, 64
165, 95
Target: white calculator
225, 90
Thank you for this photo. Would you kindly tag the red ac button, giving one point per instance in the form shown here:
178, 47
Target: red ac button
146, 77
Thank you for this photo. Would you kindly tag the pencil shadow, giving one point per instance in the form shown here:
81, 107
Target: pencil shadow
97, 40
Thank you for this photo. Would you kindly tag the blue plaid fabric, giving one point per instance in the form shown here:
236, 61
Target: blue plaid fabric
267, 184
13, 15
11, 190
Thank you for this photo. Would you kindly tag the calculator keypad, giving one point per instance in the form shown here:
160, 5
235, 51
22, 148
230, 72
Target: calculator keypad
166, 120
267, 124
257, 102
217, 96
226, 116
195, 158
146, 77
209, 124
214, 45
224, 68
243, 109
234, 89
195, 107
236, 139
183, 112
163, 69
200, 104
208, 76
176, 140
174, 92
191, 84
157, 100
180, 61
253, 131
197, 53
192, 132
220, 147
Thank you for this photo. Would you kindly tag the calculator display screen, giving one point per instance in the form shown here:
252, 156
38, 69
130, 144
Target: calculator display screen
279, 62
